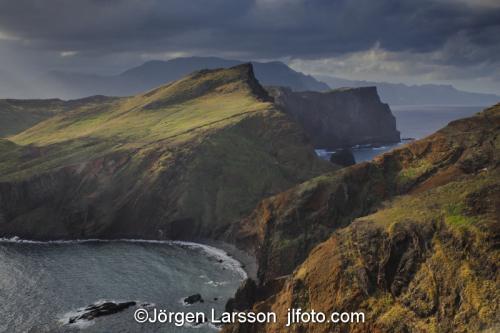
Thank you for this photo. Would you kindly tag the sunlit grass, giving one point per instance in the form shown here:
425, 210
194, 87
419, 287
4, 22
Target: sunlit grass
168, 116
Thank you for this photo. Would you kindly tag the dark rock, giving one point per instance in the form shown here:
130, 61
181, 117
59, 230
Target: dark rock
98, 310
343, 157
244, 298
340, 118
193, 299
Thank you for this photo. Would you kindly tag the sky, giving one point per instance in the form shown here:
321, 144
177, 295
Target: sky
426, 41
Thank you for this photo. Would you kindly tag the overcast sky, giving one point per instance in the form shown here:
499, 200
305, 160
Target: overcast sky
410, 41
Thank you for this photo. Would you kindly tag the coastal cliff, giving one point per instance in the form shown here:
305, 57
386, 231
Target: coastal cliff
410, 239
339, 118
185, 160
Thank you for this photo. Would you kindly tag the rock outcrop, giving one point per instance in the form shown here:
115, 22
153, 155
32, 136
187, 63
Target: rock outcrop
99, 310
185, 160
340, 118
410, 239
193, 299
343, 157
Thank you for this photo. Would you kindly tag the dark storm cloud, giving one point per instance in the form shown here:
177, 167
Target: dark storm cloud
259, 29
450, 41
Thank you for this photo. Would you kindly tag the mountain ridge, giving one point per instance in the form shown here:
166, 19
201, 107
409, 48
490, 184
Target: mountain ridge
158, 72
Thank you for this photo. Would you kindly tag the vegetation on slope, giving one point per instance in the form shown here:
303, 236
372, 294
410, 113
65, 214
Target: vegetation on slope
168, 115
414, 242
19, 115
180, 161
409, 267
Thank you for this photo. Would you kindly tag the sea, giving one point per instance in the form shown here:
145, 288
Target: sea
42, 285
414, 122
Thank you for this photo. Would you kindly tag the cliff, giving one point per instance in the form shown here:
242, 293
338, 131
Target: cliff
182, 161
410, 239
340, 118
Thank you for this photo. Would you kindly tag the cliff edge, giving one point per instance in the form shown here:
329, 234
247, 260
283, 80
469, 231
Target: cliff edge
340, 118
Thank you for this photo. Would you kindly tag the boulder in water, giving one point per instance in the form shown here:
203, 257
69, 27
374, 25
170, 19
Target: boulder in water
193, 299
103, 309
343, 157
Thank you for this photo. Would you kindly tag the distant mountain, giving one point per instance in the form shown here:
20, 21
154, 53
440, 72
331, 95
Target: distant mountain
427, 94
156, 72
71, 85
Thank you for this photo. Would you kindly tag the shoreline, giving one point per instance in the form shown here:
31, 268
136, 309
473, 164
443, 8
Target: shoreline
248, 261
237, 259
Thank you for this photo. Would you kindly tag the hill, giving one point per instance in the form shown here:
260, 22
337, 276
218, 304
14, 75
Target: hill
410, 239
184, 160
427, 94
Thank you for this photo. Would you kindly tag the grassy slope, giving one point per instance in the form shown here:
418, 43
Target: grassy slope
425, 260
18, 115
169, 115
184, 159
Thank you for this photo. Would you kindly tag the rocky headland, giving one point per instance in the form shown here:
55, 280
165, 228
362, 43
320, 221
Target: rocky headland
340, 118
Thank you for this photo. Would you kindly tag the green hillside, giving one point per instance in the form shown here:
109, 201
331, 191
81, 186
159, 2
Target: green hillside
17, 115
184, 159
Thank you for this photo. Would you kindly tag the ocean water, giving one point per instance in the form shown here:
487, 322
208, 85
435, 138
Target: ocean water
420, 121
414, 122
43, 284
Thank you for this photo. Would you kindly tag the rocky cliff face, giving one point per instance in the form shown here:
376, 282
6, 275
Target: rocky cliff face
182, 161
340, 118
410, 239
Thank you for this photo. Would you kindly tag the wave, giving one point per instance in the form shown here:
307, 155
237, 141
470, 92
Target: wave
220, 255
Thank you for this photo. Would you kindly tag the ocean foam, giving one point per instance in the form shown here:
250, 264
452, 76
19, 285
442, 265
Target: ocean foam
227, 261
